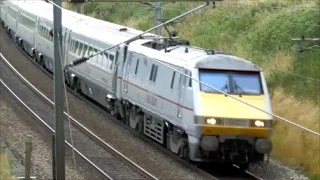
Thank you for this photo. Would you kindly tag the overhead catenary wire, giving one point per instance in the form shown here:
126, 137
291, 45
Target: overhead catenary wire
293, 74
211, 87
84, 59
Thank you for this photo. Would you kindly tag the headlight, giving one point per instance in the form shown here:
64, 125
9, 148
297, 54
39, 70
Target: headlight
259, 123
211, 121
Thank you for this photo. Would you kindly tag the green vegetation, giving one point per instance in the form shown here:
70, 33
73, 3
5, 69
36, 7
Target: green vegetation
5, 167
261, 32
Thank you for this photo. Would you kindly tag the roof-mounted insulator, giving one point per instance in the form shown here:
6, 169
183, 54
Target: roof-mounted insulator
213, 52
123, 29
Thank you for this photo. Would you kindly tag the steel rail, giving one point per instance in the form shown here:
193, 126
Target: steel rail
78, 124
51, 129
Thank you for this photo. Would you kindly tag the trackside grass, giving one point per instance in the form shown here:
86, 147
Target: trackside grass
5, 167
262, 32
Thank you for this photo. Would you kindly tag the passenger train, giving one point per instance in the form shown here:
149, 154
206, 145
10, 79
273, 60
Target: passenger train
146, 83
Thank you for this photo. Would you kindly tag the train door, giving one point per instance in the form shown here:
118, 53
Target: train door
18, 11
115, 70
120, 69
126, 73
66, 45
34, 41
36, 33
181, 91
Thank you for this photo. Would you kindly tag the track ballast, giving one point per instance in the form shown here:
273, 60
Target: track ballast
105, 159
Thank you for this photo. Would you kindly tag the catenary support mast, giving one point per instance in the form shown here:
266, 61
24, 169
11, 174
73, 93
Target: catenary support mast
157, 9
58, 93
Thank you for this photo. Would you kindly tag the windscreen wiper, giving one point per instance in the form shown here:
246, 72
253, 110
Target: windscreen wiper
237, 87
225, 86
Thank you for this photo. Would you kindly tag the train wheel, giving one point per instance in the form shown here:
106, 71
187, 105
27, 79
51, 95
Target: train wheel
76, 87
126, 118
34, 58
140, 125
184, 151
243, 166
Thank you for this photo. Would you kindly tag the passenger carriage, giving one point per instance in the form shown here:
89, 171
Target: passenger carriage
11, 18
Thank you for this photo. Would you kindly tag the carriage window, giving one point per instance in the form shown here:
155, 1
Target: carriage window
12, 13
89, 51
99, 59
111, 58
172, 80
79, 49
27, 22
190, 79
94, 58
71, 45
85, 49
137, 66
50, 37
44, 32
76, 47
153, 74
31, 24
105, 60
40, 30
47, 35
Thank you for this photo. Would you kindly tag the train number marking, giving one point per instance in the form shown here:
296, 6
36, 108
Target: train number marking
151, 100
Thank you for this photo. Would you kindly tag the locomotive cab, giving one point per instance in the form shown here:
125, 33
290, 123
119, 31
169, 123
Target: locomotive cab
230, 130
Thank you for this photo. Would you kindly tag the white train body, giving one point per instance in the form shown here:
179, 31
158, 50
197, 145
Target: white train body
144, 87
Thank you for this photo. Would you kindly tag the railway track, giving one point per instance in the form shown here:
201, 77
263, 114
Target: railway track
211, 172
100, 155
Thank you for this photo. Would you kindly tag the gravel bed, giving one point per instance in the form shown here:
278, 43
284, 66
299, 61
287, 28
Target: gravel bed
15, 124
276, 170
110, 163
133, 147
